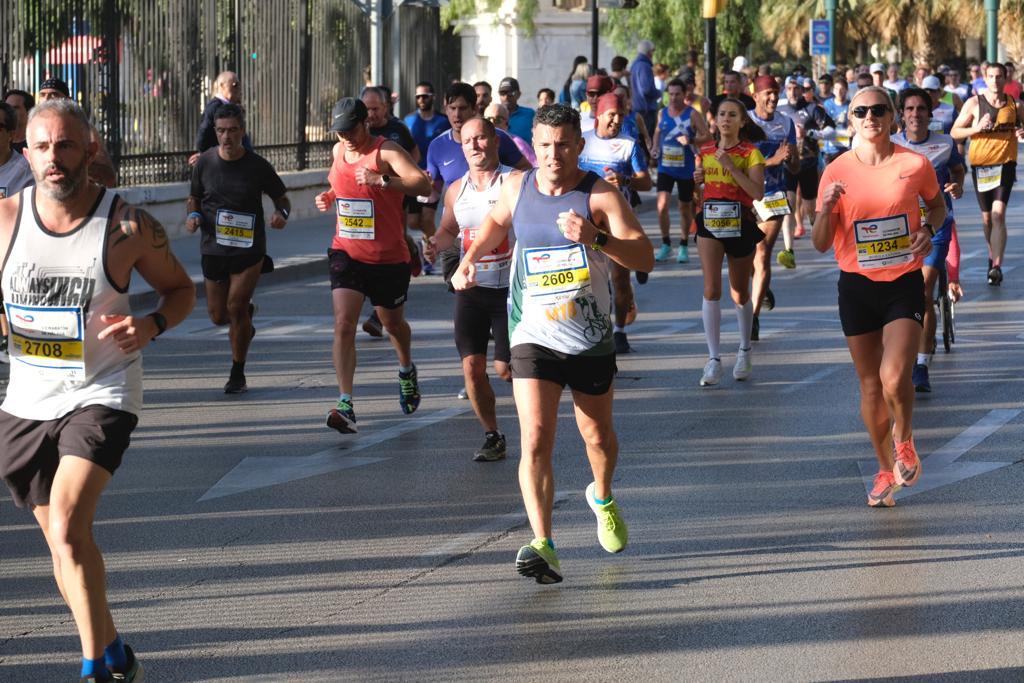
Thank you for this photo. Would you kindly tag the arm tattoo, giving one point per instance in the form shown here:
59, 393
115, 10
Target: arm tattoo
158, 236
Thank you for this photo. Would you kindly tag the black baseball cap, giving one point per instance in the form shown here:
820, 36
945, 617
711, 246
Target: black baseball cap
55, 84
508, 84
348, 112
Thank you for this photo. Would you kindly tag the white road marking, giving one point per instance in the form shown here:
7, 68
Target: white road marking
256, 472
941, 468
810, 379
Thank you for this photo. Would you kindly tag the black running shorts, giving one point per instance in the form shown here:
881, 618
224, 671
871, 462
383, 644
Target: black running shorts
479, 311
384, 284
32, 449
998, 194
685, 185
220, 268
591, 375
806, 179
867, 306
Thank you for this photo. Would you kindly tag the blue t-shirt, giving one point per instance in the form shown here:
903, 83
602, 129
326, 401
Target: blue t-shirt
840, 113
425, 131
779, 131
674, 160
621, 154
941, 150
446, 161
520, 123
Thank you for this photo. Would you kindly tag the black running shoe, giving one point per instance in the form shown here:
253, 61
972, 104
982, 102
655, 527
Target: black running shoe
769, 300
641, 277
372, 326
755, 330
622, 343
995, 276
132, 672
236, 385
492, 450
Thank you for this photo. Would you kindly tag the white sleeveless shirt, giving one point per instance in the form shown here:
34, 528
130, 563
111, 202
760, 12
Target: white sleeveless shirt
471, 208
55, 288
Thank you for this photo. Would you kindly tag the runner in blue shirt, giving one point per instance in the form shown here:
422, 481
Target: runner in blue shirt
679, 128
779, 151
838, 107
617, 158
941, 151
425, 124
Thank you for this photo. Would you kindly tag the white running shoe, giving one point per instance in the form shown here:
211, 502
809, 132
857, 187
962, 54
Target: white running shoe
741, 371
712, 373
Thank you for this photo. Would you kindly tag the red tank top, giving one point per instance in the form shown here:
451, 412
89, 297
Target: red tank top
369, 222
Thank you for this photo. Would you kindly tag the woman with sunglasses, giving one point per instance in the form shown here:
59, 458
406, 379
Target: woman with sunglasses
868, 211
732, 170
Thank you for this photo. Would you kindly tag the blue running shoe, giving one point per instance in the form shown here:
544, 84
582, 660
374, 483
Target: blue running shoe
408, 391
664, 253
920, 379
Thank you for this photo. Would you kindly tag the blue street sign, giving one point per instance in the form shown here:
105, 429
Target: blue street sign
821, 37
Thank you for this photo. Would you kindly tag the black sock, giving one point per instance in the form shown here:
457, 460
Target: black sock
666, 240
237, 368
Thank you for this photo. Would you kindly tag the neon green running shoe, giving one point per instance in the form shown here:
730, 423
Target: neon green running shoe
786, 258
611, 529
539, 561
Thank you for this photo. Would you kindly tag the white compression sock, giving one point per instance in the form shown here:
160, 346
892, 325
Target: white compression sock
745, 318
711, 312
922, 359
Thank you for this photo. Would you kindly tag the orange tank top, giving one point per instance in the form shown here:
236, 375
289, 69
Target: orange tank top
369, 221
999, 145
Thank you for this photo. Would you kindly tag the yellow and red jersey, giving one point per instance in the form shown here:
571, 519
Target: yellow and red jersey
719, 183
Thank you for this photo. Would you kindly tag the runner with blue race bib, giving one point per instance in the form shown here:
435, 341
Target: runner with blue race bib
617, 158
941, 150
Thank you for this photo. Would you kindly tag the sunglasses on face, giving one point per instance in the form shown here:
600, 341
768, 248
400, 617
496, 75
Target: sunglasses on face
496, 119
877, 110
424, 96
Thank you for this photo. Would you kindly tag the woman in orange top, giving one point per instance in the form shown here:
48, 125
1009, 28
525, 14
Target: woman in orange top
732, 170
868, 211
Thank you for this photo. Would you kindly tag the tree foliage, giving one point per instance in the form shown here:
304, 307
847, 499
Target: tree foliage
455, 14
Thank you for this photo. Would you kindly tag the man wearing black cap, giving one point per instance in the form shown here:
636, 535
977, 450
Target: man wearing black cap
520, 119
368, 257
101, 169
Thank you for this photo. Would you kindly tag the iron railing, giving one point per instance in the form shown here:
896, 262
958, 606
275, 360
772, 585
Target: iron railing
143, 69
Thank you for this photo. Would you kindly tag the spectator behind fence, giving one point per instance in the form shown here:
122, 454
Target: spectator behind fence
22, 103
226, 90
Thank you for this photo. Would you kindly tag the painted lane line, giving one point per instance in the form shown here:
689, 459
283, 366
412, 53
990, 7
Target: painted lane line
941, 467
810, 379
256, 472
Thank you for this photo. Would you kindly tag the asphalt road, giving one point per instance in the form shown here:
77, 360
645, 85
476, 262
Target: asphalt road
245, 541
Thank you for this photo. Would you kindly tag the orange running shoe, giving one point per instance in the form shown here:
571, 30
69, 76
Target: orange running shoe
881, 493
799, 231
907, 469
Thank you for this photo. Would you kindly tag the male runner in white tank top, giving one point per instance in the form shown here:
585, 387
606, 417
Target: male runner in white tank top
69, 248
482, 310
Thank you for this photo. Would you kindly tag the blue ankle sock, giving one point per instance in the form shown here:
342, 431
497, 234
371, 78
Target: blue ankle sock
405, 370
345, 397
602, 502
97, 668
115, 656
551, 544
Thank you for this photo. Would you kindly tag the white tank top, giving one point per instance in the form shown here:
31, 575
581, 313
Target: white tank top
471, 208
55, 288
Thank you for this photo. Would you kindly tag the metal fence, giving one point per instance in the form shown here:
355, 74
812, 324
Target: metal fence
144, 69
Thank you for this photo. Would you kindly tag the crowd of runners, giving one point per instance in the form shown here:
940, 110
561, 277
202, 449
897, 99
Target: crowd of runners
530, 217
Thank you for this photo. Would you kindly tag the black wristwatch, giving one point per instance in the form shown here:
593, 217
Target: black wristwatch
385, 180
284, 212
600, 240
930, 228
160, 320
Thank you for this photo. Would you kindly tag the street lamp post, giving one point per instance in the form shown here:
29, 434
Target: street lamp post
594, 28
830, 14
711, 9
992, 30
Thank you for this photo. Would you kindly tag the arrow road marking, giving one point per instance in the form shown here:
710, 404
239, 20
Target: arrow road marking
941, 468
257, 472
